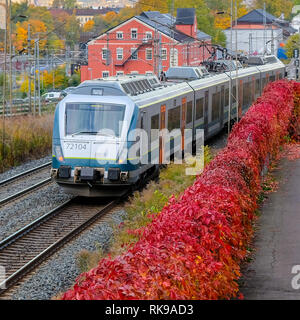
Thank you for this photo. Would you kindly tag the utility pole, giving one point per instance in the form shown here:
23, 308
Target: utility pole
10, 57
236, 64
265, 22
171, 55
4, 85
39, 82
230, 74
34, 78
29, 67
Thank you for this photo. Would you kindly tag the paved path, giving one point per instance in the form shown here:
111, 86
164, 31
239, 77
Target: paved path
269, 274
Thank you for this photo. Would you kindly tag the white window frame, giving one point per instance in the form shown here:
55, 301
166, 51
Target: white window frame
149, 73
104, 53
120, 73
119, 57
134, 29
119, 34
149, 50
148, 35
134, 72
132, 50
164, 56
105, 72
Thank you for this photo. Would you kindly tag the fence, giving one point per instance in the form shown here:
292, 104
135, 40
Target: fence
24, 109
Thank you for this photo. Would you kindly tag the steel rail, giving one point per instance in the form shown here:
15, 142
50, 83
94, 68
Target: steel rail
54, 247
22, 174
24, 191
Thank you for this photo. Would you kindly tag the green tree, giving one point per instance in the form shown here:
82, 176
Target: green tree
276, 7
72, 31
70, 4
58, 3
292, 43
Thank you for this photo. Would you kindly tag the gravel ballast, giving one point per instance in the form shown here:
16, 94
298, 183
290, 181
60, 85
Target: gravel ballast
24, 167
16, 215
59, 272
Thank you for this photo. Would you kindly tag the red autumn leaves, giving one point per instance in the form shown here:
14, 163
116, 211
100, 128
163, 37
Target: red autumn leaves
193, 248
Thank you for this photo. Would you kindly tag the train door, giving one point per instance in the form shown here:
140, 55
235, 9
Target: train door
206, 103
183, 121
161, 138
222, 106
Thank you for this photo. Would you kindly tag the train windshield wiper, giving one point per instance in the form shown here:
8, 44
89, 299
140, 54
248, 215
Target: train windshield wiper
83, 132
93, 133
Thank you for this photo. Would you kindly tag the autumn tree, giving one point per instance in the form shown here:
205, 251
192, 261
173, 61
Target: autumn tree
88, 26
153, 5
69, 4
72, 31
37, 28
276, 7
292, 43
58, 4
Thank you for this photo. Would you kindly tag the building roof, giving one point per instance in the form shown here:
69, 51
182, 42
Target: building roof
185, 16
257, 16
163, 22
81, 12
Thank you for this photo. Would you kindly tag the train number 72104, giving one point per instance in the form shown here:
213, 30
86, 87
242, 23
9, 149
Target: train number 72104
75, 146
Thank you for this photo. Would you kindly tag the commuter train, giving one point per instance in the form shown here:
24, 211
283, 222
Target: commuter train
93, 125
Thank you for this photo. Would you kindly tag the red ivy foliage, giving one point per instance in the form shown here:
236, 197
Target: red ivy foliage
194, 247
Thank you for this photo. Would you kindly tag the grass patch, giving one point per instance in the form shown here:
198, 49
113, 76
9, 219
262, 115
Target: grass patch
141, 208
26, 138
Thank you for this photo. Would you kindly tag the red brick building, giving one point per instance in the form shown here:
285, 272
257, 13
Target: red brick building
147, 44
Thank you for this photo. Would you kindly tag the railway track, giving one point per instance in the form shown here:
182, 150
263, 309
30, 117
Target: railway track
9, 186
21, 252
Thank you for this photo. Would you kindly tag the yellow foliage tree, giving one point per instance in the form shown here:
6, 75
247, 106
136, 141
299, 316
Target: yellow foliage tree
36, 29
223, 21
88, 26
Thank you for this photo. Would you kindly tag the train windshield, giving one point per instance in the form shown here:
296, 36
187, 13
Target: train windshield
93, 118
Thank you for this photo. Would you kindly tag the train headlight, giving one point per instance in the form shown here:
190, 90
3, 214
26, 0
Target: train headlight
58, 153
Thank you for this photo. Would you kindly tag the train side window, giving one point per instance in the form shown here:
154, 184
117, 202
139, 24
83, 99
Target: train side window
264, 82
154, 125
257, 86
174, 118
189, 112
247, 94
280, 76
272, 78
215, 106
199, 108
234, 94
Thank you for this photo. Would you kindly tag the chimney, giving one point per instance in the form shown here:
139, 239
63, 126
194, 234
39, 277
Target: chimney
186, 21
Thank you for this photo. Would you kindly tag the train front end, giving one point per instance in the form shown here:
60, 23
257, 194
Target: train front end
90, 143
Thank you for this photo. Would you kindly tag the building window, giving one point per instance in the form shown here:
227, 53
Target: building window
134, 54
148, 35
120, 73
133, 33
105, 74
134, 72
119, 35
163, 54
104, 54
148, 54
119, 53
149, 73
